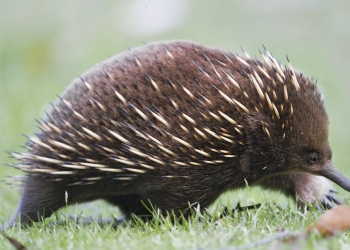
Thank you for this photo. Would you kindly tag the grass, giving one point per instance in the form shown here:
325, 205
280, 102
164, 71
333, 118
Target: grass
45, 44
203, 231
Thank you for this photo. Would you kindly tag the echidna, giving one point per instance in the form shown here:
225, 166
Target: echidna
176, 123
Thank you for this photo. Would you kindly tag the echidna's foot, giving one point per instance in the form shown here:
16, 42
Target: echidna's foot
238, 208
86, 221
115, 222
329, 201
309, 189
315, 190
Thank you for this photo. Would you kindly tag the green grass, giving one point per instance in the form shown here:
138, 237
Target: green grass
45, 44
206, 230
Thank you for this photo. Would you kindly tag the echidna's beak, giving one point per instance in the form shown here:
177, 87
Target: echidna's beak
332, 174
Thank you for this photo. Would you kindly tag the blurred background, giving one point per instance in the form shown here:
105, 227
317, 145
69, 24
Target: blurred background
44, 45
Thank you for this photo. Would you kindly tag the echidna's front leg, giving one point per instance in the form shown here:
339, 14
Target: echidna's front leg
38, 201
306, 188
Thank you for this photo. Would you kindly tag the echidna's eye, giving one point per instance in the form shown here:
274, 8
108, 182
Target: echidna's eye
312, 158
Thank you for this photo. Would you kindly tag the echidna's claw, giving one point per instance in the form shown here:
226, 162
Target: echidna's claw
330, 200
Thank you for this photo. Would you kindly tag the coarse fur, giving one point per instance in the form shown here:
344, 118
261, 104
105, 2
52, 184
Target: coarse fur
176, 123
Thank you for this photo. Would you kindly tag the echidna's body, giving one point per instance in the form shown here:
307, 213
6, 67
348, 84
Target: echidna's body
177, 123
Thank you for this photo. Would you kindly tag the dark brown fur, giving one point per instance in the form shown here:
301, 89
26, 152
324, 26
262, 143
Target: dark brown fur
258, 148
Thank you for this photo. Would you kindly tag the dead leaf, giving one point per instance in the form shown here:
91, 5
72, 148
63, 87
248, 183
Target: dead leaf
333, 221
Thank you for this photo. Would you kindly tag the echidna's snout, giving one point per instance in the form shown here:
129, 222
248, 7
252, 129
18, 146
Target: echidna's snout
332, 174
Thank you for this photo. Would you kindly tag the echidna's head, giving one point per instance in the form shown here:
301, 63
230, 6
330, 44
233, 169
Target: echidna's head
289, 133
308, 148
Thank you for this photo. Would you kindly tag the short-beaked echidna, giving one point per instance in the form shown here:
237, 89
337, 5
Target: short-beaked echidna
177, 123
